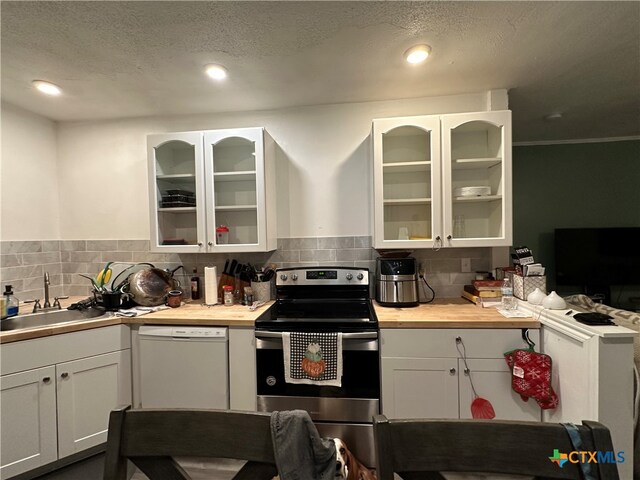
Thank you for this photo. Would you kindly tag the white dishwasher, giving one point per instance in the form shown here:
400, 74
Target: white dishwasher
183, 367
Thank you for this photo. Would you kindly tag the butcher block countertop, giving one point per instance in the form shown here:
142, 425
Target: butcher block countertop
187, 314
443, 313
448, 313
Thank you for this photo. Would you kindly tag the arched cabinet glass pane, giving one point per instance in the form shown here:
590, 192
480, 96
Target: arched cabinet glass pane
235, 190
477, 181
406, 183
176, 193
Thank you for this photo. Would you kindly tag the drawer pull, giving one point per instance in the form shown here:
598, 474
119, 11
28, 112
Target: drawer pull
46, 379
458, 340
64, 375
452, 371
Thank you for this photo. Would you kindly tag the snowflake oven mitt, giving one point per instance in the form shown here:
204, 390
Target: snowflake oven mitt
531, 376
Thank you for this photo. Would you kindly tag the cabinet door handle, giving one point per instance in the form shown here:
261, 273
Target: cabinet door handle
46, 379
199, 244
210, 244
449, 237
64, 375
452, 371
467, 372
458, 340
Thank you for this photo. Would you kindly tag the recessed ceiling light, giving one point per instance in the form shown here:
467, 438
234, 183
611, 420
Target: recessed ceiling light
217, 72
47, 87
417, 54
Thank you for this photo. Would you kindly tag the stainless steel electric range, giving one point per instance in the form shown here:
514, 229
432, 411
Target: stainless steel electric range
324, 299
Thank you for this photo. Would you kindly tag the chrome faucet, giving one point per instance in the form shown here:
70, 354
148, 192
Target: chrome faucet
47, 282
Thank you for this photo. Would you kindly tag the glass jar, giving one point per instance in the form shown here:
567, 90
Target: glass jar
228, 295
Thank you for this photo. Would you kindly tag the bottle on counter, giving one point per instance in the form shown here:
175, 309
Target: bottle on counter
11, 302
508, 300
195, 285
228, 295
248, 296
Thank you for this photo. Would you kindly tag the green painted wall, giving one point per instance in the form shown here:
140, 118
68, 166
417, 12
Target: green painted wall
573, 185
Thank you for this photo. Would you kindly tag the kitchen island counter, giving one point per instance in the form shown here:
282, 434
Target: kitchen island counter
448, 313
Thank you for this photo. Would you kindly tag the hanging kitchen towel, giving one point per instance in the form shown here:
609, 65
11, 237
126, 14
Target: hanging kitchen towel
313, 358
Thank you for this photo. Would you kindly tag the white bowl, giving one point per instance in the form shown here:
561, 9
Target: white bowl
553, 301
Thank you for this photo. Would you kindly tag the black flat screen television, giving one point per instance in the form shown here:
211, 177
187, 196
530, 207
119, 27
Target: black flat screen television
595, 259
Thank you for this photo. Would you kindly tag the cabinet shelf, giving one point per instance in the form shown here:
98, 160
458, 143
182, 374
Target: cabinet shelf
406, 167
180, 177
470, 163
235, 176
178, 210
408, 201
237, 208
485, 198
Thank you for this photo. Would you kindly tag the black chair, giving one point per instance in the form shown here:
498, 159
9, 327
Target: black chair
151, 438
420, 449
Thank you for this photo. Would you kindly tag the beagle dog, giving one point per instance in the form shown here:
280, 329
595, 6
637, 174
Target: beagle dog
348, 467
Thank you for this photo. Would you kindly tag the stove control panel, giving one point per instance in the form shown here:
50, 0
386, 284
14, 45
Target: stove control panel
322, 276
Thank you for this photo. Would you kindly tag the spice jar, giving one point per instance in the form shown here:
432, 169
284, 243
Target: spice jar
228, 295
248, 296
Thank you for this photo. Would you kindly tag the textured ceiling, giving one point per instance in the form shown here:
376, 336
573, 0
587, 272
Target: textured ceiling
124, 59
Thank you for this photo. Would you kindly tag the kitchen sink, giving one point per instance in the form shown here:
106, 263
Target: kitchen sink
51, 317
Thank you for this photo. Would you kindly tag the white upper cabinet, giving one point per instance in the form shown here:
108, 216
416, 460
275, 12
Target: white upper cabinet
408, 199
200, 181
476, 154
176, 191
442, 180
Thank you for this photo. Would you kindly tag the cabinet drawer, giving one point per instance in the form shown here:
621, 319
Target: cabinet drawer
478, 343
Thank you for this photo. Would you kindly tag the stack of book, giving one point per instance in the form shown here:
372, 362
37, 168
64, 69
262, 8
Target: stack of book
487, 293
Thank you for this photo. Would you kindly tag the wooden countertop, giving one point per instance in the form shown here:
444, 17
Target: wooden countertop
448, 313
443, 313
187, 314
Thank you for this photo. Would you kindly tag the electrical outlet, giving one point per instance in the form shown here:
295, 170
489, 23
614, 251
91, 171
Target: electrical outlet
465, 265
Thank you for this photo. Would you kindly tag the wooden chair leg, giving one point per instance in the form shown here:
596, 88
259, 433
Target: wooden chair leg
115, 465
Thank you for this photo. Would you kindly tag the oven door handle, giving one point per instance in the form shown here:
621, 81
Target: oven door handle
345, 336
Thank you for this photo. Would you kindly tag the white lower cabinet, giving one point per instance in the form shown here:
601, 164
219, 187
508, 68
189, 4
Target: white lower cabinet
28, 413
87, 390
53, 411
424, 375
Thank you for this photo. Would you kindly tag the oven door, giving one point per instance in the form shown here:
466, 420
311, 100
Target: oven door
357, 400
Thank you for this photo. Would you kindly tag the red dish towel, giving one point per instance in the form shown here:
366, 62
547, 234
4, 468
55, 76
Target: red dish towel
531, 376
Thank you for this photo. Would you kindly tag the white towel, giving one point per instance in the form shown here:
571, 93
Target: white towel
313, 358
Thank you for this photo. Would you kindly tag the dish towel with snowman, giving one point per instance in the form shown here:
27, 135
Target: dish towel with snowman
313, 358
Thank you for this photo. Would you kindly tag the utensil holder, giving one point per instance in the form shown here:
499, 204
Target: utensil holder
261, 291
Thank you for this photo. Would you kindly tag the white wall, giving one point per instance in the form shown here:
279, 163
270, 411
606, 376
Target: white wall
323, 166
29, 205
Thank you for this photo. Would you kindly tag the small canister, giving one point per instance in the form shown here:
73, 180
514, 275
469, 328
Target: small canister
222, 235
228, 295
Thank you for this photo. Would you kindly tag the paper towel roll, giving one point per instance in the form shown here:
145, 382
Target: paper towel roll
210, 285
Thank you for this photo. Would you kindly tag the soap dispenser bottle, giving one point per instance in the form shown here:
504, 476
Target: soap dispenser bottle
11, 301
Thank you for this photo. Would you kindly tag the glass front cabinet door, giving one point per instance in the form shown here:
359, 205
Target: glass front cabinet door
407, 185
240, 185
442, 181
212, 191
176, 190
476, 156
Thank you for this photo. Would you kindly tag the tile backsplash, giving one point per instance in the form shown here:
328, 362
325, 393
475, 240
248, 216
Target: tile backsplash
23, 263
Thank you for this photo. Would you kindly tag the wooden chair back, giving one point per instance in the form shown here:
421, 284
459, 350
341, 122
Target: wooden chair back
151, 438
407, 447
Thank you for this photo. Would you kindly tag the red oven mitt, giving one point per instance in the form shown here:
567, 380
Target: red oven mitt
531, 376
